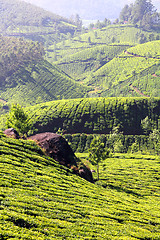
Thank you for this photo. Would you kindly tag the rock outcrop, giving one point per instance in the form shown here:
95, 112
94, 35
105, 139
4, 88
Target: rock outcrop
58, 148
11, 132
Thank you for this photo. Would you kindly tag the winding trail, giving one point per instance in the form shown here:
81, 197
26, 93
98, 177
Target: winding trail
138, 91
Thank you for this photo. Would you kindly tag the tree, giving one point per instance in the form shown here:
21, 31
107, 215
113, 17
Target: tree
19, 120
89, 39
97, 153
154, 140
115, 140
78, 21
142, 12
125, 14
146, 125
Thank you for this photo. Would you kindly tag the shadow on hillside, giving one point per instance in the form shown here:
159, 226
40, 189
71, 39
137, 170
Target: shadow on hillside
118, 188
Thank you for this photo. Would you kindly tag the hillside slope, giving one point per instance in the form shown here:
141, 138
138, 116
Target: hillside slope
41, 200
19, 18
138, 66
100, 58
26, 78
95, 115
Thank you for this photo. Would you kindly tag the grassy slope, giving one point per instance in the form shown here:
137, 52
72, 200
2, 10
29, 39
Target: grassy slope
41, 200
123, 34
94, 64
20, 18
137, 67
94, 115
39, 81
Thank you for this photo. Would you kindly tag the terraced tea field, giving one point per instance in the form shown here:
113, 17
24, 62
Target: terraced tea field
40, 199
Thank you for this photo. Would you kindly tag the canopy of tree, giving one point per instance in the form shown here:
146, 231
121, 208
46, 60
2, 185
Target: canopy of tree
141, 12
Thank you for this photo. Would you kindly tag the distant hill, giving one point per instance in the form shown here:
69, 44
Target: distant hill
19, 18
98, 10
99, 58
27, 78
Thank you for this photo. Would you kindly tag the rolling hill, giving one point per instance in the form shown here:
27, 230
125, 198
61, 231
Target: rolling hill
27, 78
101, 58
95, 115
39, 199
19, 18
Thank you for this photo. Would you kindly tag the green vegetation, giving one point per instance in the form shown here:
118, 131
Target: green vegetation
40, 199
19, 18
86, 61
43, 200
37, 82
142, 12
117, 142
16, 52
95, 115
19, 120
111, 67
97, 153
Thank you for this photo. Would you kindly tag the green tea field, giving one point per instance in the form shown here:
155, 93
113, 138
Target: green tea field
39, 199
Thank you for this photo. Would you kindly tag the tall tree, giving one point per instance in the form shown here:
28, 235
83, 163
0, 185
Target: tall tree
19, 120
125, 14
97, 153
143, 11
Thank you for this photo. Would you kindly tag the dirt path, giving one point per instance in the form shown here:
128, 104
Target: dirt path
135, 55
138, 91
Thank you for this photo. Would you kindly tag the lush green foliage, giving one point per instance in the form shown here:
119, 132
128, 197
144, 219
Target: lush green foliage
89, 60
19, 120
37, 82
142, 12
95, 115
117, 143
19, 18
97, 153
15, 52
100, 63
42, 200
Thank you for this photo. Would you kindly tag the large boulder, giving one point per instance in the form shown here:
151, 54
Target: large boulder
11, 132
58, 148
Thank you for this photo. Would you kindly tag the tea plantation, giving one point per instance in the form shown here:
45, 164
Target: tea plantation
95, 115
40, 199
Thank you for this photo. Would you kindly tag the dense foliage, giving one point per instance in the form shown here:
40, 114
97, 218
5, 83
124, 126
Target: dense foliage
19, 120
15, 52
96, 115
37, 82
41, 200
117, 142
142, 12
